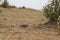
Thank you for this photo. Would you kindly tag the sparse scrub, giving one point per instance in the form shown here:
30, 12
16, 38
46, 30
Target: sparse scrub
11, 6
23, 7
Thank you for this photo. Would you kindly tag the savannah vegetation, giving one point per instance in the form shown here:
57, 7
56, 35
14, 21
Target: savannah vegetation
51, 11
29, 24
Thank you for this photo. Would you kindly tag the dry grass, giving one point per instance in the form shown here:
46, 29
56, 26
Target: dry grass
20, 16
28, 34
11, 19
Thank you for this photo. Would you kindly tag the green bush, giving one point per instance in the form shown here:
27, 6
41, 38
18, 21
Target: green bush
5, 4
52, 10
58, 22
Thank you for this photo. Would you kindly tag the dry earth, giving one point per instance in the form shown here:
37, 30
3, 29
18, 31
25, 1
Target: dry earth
11, 20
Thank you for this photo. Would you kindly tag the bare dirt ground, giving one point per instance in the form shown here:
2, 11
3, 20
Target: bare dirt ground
12, 19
